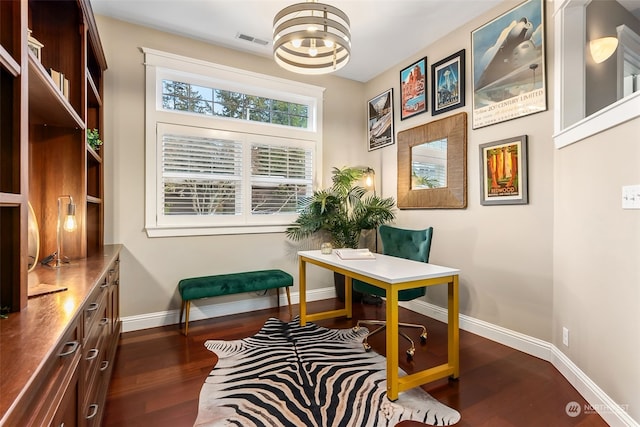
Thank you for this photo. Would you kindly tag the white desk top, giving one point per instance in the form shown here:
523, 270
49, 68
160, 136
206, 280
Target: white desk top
384, 267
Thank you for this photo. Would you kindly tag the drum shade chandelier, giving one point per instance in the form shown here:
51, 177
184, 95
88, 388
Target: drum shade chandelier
311, 38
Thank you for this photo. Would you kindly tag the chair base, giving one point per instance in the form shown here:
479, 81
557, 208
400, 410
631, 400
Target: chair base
382, 325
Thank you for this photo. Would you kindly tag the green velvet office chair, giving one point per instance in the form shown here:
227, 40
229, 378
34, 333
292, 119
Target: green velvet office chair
402, 243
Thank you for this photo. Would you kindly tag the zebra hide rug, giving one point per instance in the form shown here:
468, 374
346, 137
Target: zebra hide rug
288, 375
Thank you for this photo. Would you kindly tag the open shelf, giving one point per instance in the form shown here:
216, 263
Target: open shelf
94, 98
10, 142
10, 267
49, 106
94, 229
7, 61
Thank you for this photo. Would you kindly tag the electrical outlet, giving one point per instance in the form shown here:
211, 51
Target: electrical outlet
565, 336
631, 197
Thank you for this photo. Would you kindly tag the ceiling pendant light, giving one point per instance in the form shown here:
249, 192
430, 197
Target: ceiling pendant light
311, 38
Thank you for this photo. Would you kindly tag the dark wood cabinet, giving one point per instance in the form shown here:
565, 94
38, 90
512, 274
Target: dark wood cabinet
13, 155
57, 356
56, 349
50, 98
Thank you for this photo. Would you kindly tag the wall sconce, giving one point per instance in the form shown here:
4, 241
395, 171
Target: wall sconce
369, 177
601, 49
66, 222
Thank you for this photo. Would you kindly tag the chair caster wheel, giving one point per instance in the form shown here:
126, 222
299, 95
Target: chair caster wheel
423, 338
366, 346
410, 353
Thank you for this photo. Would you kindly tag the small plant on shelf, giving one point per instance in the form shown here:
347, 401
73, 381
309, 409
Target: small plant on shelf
93, 139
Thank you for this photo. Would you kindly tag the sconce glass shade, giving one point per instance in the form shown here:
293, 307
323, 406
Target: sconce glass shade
369, 176
601, 49
311, 38
70, 223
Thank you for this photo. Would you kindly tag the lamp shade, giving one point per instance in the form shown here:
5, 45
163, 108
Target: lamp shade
602, 48
311, 38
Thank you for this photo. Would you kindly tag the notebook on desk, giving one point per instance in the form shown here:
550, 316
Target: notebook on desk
355, 254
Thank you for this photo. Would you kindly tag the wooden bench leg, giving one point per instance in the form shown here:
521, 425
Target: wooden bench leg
181, 314
289, 302
186, 321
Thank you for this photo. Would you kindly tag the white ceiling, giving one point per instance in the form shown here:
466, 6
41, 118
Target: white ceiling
392, 30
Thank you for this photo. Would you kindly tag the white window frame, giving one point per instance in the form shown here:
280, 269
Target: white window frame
570, 123
162, 65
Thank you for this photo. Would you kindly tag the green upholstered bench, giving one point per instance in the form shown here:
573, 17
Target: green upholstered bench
227, 284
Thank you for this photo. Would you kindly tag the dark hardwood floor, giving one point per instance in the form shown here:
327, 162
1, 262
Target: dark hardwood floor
159, 372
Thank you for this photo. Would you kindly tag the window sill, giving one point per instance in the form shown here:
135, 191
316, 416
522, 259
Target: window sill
622, 111
212, 231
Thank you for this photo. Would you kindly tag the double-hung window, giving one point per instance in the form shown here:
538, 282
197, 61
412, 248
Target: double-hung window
228, 151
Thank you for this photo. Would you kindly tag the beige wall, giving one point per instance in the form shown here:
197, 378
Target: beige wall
597, 261
568, 258
152, 268
504, 252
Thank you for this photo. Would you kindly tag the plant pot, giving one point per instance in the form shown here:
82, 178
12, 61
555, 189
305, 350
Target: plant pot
338, 281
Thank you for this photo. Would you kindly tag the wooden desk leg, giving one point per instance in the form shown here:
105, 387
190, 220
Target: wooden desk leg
392, 344
303, 291
348, 295
453, 329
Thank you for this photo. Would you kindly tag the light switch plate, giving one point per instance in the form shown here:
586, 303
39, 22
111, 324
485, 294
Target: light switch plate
631, 197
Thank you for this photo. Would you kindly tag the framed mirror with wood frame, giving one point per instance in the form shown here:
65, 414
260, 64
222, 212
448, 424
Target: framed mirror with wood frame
432, 165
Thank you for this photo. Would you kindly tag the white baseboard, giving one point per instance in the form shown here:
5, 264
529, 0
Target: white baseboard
524, 343
200, 312
614, 414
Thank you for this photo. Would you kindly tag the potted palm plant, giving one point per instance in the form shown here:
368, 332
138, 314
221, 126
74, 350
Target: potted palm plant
342, 211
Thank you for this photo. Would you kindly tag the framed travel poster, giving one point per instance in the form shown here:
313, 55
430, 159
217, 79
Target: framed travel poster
413, 89
380, 120
503, 172
447, 84
508, 64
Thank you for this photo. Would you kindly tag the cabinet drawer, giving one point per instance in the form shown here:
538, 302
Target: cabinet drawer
94, 301
67, 414
96, 341
114, 296
50, 397
96, 395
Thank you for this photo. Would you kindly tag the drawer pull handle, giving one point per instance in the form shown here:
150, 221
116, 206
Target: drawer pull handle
93, 306
104, 321
92, 354
93, 411
73, 346
104, 365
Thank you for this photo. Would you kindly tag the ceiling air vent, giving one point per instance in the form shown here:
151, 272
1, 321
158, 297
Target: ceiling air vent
252, 39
